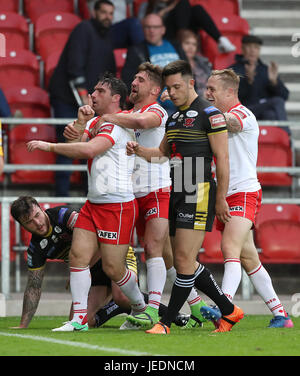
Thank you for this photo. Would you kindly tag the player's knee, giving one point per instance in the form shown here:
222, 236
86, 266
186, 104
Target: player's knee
78, 259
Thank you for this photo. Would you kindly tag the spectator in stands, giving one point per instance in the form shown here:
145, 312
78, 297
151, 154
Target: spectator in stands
126, 31
261, 89
201, 66
155, 48
179, 14
88, 53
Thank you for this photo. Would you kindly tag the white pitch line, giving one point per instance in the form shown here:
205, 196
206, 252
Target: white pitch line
77, 344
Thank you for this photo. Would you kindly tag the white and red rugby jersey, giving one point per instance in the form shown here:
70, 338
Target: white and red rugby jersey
148, 177
243, 148
110, 173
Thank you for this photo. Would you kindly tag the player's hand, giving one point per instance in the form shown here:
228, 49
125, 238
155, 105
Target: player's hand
222, 210
165, 96
273, 72
132, 147
86, 112
96, 127
40, 145
71, 133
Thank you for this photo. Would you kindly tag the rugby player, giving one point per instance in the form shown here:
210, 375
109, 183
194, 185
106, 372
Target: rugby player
243, 197
106, 222
194, 134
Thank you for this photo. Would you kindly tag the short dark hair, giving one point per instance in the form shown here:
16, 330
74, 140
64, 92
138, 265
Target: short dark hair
251, 39
154, 72
116, 85
177, 66
22, 207
98, 4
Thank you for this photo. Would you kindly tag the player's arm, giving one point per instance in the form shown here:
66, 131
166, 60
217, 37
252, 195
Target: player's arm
233, 123
145, 120
219, 145
76, 150
32, 296
154, 155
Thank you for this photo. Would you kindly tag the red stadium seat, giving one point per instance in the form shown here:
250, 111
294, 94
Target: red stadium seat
34, 9
52, 31
15, 29
50, 64
227, 6
18, 154
212, 248
277, 233
231, 26
9, 6
274, 149
19, 67
32, 101
120, 57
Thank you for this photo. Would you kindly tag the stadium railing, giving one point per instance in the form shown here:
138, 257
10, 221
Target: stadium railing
6, 201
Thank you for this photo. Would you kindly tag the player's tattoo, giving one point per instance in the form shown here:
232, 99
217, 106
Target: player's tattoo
32, 294
233, 124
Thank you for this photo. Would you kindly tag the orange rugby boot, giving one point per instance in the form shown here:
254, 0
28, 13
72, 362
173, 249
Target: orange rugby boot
226, 322
159, 328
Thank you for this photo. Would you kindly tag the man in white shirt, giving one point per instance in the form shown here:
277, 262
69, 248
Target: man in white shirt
109, 215
243, 197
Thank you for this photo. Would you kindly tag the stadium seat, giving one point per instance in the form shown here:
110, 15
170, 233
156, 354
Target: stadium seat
34, 9
15, 29
234, 28
18, 154
227, 6
277, 233
52, 31
9, 6
212, 248
32, 101
274, 149
19, 67
50, 65
120, 57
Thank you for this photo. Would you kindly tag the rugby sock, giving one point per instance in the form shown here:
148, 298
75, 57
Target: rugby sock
129, 286
206, 283
80, 283
156, 279
232, 277
194, 297
109, 311
263, 284
180, 291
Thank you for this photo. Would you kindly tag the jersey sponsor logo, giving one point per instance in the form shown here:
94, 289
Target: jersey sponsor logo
43, 243
107, 234
185, 217
151, 212
236, 209
210, 109
189, 122
57, 229
240, 114
191, 113
174, 116
217, 121
107, 128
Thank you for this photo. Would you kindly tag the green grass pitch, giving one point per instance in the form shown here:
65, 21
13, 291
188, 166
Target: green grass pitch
250, 337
